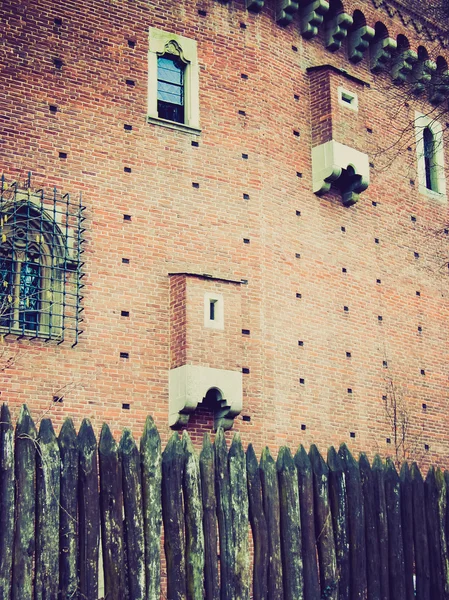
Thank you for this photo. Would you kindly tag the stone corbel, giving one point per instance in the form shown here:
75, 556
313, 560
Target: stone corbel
402, 66
285, 11
188, 386
358, 42
421, 75
254, 6
439, 87
311, 16
380, 51
339, 165
336, 30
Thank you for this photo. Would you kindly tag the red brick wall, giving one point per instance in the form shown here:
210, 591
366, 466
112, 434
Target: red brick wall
293, 393
320, 107
178, 321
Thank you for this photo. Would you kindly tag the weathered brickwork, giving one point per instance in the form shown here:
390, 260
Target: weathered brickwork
340, 302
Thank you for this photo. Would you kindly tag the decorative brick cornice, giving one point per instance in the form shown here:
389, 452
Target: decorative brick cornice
409, 17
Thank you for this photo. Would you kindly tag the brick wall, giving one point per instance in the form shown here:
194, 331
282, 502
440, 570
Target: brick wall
305, 258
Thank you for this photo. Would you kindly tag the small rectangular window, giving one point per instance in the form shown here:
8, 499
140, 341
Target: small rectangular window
348, 99
213, 311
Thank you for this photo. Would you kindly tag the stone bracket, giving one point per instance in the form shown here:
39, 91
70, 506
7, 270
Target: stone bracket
339, 165
439, 87
402, 66
254, 6
285, 11
188, 386
421, 75
381, 51
358, 42
336, 30
311, 16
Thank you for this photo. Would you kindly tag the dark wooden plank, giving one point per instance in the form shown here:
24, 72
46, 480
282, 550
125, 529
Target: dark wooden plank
68, 514
239, 515
150, 456
422, 565
339, 508
47, 514
7, 483
223, 495
441, 488
133, 508
173, 517
290, 526
207, 469
111, 513
371, 533
446, 479
258, 526
433, 537
89, 512
24, 538
356, 520
407, 529
323, 526
308, 539
193, 509
382, 525
445, 520
395, 542
270, 495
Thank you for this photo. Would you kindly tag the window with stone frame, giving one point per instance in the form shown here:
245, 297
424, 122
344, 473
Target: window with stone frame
173, 81
430, 156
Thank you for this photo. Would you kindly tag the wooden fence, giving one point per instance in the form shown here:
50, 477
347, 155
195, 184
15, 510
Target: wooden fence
335, 528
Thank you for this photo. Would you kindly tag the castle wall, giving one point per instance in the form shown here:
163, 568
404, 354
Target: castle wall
329, 300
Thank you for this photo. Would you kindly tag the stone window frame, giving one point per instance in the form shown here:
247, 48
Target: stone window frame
164, 42
353, 104
421, 123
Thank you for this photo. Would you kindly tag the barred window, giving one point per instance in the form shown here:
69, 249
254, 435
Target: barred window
40, 265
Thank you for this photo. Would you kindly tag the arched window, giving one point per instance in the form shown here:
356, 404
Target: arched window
430, 156
173, 81
32, 265
429, 160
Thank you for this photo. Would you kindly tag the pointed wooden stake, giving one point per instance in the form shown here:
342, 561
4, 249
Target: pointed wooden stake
207, 468
270, 493
47, 523
134, 528
68, 539
7, 482
89, 511
193, 509
173, 516
150, 453
25, 473
258, 526
111, 512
